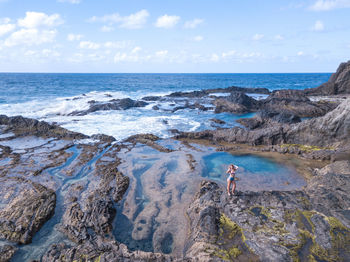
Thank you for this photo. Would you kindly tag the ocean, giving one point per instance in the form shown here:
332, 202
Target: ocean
52, 97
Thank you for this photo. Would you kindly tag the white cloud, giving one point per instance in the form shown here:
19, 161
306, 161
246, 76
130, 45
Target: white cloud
89, 45
214, 58
229, 53
193, 23
6, 28
161, 53
106, 29
36, 19
117, 44
124, 57
326, 5
70, 1
198, 38
74, 37
167, 21
5, 20
111, 19
136, 20
300, 53
136, 50
279, 37
133, 21
30, 37
50, 53
318, 26
257, 37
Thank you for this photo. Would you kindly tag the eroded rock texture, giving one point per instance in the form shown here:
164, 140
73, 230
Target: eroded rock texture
338, 83
307, 225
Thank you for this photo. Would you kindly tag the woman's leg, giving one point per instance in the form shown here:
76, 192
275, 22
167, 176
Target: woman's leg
233, 187
228, 185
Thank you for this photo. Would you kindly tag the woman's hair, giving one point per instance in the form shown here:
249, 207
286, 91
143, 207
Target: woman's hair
233, 166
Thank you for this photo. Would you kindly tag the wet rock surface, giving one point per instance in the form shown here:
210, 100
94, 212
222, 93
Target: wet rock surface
114, 104
28, 206
85, 198
273, 225
320, 136
236, 102
6, 252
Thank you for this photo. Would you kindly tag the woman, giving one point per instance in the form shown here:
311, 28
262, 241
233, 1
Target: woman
231, 178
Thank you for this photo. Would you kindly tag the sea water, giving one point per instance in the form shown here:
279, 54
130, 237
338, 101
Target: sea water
52, 97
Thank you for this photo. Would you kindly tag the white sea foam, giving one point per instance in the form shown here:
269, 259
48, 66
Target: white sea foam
257, 96
117, 123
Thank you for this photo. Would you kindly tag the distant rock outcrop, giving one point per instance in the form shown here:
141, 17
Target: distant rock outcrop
236, 102
331, 129
338, 83
115, 104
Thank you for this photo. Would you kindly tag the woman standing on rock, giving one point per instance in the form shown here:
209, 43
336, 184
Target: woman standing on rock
231, 179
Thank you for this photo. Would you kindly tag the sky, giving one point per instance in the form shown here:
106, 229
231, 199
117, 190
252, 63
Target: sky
174, 36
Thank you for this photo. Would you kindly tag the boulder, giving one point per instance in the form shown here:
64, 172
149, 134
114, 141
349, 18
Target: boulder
236, 102
114, 104
295, 102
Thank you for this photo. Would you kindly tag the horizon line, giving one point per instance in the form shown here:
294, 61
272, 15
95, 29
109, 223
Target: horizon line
166, 73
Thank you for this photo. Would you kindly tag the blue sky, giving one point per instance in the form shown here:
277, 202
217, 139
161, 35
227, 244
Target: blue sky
228, 36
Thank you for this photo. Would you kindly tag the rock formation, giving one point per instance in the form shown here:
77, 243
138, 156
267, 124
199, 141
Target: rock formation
307, 225
338, 83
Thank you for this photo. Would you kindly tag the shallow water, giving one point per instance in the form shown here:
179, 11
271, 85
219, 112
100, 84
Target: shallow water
151, 216
254, 173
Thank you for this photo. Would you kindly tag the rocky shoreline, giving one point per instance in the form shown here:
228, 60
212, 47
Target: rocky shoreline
61, 190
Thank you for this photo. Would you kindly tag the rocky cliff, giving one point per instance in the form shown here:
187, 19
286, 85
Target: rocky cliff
338, 83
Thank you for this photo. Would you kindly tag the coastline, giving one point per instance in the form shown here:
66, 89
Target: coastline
80, 184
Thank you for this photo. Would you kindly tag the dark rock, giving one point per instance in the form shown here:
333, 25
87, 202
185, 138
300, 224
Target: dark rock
101, 250
151, 98
6, 252
149, 140
338, 83
237, 102
295, 102
273, 225
331, 129
218, 121
155, 107
193, 94
115, 104
104, 138
231, 89
26, 126
265, 118
190, 106
27, 211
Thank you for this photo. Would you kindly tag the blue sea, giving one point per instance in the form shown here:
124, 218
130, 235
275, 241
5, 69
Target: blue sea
52, 97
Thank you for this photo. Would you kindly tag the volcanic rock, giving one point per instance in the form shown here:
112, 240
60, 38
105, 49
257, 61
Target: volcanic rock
26, 211
115, 104
236, 102
338, 83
